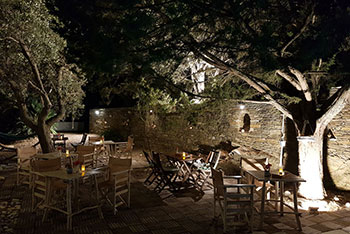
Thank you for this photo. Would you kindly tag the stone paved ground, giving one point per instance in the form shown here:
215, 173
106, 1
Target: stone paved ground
188, 211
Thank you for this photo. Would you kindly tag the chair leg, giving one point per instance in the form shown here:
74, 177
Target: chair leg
114, 201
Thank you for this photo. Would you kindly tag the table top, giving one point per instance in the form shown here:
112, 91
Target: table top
287, 177
62, 174
179, 156
109, 142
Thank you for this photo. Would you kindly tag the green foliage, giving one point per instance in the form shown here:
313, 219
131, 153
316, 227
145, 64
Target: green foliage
29, 23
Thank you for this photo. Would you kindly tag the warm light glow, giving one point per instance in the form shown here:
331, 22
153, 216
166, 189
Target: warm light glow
97, 112
322, 205
67, 153
281, 172
83, 173
83, 168
184, 155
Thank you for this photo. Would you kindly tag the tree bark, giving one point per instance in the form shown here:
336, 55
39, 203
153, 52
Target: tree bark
44, 136
310, 166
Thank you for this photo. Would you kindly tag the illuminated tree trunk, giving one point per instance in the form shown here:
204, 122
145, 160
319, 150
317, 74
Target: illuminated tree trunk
44, 136
310, 167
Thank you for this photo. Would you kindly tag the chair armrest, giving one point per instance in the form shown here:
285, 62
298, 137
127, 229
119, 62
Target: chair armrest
239, 186
233, 177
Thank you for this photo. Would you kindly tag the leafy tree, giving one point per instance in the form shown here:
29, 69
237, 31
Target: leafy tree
289, 52
33, 68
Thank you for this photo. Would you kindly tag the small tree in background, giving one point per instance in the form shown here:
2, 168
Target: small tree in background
33, 67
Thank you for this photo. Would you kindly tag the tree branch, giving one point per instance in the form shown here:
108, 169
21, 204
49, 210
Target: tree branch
290, 79
61, 107
308, 20
20, 101
303, 83
339, 103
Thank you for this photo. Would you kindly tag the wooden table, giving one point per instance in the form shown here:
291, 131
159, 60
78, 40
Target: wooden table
72, 181
280, 180
185, 165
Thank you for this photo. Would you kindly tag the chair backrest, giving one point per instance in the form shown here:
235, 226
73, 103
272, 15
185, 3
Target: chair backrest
83, 139
218, 182
25, 153
85, 149
214, 159
46, 165
118, 164
148, 158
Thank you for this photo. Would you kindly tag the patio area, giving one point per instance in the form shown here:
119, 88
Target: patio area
186, 211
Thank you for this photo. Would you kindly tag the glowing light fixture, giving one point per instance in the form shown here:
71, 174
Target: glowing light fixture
241, 106
97, 112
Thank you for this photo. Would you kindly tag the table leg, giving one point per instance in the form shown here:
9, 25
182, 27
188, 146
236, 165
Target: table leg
277, 194
47, 197
262, 210
295, 199
69, 206
98, 198
281, 198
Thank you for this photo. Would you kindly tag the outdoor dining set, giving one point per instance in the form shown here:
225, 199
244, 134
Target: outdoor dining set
77, 181
255, 189
99, 172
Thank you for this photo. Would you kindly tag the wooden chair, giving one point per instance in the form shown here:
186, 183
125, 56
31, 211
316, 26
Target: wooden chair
153, 173
118, 183
42, 188
204, 170
86, 155
247, 164
165, 176
124, 149
234, 205
82, 141
24, 156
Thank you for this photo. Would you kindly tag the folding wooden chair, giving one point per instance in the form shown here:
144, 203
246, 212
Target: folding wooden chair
153, 173
204, 170
234, 205
24, 156
118, 183
166, 176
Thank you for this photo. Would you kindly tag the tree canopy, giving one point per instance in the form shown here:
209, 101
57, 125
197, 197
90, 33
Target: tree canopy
268, 41
35, 77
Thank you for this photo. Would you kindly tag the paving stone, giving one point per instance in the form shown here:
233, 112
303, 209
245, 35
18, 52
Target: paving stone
336, 232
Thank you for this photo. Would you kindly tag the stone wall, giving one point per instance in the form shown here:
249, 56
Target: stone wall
226, 123
338, 158
173, 132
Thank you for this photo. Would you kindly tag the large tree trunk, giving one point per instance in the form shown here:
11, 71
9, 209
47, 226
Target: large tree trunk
310, 167
44, 136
